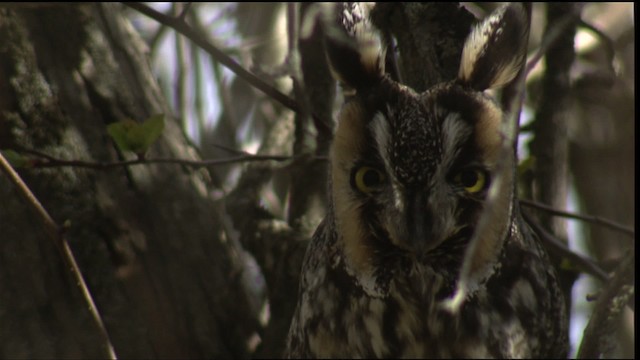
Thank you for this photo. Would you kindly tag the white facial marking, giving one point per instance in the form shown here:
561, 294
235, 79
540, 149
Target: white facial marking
455, 133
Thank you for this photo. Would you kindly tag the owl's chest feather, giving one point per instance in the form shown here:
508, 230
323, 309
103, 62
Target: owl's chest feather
407, 322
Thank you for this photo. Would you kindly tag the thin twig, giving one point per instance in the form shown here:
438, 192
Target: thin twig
50, 161
55, 233
229, 149
581, 262
588, 218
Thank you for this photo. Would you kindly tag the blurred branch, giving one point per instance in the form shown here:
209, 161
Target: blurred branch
598, 339
312, 84
558, 247
588, 218
56, 234
235, 104
606, 40
154, 41
185, 11
180, 70
182, 27
550, 145
294, 62
198, 77
293, 59
551, 37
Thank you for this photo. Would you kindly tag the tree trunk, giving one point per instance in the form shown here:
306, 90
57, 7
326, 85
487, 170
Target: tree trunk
166, 277
550, 145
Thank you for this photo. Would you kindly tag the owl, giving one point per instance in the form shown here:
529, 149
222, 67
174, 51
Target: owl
410, 175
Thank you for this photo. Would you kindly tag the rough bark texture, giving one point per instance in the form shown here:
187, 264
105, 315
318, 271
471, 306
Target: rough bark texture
147, 238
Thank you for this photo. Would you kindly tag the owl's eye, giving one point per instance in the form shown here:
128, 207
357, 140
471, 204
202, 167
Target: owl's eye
366, 179
472, 180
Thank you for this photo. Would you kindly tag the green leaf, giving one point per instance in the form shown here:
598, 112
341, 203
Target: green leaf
151, 129
15, 159
120, 133
137, 137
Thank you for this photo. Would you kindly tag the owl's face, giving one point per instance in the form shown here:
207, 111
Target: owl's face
411, 171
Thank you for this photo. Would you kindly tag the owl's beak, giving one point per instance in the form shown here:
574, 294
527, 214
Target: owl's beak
423, 227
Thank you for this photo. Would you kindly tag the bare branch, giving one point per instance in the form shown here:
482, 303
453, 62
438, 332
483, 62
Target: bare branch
56, 234
584, 264
180, 71
186, 30
50, 161
588, 218
551, 37
599, 334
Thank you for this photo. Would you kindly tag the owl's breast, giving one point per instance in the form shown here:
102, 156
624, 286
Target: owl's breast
337, 317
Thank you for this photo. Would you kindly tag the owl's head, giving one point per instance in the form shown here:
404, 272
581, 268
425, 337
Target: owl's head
411, 171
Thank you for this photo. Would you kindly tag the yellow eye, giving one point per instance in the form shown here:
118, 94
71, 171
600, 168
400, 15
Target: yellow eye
472, 180
367, 179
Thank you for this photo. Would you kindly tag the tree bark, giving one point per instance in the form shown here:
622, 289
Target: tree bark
164, 274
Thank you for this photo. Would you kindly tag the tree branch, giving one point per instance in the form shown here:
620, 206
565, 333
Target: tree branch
589, 218
559, 248
183, 28
50, 161
56, 234
551, 37
599, 334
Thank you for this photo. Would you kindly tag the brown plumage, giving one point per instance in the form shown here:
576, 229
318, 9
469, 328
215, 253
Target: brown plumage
410, 174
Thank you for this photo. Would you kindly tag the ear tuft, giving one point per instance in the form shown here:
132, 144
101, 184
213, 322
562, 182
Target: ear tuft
354, 49
496, 49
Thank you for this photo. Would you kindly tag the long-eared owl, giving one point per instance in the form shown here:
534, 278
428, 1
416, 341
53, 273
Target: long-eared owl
410, 177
